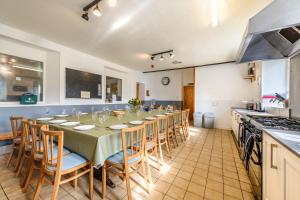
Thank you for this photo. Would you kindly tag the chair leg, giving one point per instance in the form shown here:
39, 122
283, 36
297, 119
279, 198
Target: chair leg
28, 176
91, 189
168, 147
128, 184
157, 158
174, 133
145, 175
10, 157
148, 167
160, 154
75, 181
103, 180
19, 169
55, 187
20, 153
39, 185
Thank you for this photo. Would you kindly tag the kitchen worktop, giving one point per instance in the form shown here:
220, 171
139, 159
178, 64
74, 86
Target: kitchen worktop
289, 139
244, 112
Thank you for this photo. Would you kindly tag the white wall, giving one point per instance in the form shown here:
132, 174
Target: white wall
220, 87
57, 57
187, 76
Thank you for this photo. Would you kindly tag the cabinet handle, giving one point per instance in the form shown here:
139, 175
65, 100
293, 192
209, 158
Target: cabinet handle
272, 165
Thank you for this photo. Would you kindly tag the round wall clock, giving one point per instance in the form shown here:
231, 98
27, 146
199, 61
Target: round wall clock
165, 80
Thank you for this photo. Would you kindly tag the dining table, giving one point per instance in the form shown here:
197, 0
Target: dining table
100, 142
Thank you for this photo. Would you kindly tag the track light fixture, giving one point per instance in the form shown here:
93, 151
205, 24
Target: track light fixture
161, 55
85, 16
97, 11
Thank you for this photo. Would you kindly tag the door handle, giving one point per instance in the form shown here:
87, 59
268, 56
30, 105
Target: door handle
272, 156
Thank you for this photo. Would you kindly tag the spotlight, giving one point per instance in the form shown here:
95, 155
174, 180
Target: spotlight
97, 11
152, 57
172, 55
161, 58
13, 60
85, 16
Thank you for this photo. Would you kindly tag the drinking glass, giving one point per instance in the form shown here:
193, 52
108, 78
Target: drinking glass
78, 113
92, 109
73, 111
101, 118
94, 117
63, 112
47, 111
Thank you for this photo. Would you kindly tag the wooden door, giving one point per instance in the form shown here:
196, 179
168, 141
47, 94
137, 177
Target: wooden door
188, 99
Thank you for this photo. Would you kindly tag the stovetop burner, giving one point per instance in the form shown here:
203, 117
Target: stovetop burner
277, 123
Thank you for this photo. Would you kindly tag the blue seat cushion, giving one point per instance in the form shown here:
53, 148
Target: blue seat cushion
119, 157
70, 161
55, 150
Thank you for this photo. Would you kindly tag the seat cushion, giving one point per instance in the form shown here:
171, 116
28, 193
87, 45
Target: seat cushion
149, 145
39, 156
70, 161
119, 157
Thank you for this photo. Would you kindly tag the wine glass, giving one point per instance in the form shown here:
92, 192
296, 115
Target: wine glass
47, 111
94, 117
101, 118
73, 111
78, 113
92, 109
63, 112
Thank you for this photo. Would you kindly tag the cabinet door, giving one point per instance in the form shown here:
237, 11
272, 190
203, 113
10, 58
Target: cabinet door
291, 176
272, 169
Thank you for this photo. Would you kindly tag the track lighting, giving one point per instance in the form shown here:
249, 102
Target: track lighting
97, 11
161, 55
85, 16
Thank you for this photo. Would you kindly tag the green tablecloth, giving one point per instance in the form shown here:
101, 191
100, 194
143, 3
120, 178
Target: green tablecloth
101, 142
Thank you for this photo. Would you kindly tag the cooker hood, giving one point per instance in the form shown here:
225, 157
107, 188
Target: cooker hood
274, 33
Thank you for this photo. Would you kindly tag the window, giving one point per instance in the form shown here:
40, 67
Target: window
19, 76
113, 89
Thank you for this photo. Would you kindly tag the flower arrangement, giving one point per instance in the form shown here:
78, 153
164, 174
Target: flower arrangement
135, 102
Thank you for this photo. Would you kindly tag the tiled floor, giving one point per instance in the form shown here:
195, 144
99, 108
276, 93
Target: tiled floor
207, 166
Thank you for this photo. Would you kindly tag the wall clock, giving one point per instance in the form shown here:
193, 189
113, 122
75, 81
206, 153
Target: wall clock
165, 80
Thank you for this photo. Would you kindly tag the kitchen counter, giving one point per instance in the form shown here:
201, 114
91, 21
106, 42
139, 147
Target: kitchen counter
289, 139
245, 112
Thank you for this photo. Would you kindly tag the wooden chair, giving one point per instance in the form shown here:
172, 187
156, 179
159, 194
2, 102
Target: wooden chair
16, 127
26, 146
178, 125
163, 136
151, 128
185, 121
133, 143
36, 154
171, 130
59, 166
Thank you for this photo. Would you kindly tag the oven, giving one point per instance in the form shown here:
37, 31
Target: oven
250, 149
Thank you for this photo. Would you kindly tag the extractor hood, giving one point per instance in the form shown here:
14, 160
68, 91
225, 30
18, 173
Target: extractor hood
274, 33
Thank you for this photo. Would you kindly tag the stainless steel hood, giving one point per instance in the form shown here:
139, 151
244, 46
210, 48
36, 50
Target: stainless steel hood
273, 33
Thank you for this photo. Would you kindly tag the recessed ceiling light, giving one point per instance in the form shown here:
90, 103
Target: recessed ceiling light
112, 3
97, 11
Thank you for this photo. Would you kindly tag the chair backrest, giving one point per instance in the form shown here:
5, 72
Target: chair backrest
16, 126
36, 134
151, 128
51, 139
26, 134
187, 114
170, 121
162, 124
177, 118
133, 142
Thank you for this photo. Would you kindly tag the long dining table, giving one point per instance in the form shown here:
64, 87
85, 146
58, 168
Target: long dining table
100, 142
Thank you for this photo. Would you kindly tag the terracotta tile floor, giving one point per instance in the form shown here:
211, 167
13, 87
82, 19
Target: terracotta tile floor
207, 166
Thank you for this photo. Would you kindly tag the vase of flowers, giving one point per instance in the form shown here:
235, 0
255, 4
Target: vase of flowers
134, 103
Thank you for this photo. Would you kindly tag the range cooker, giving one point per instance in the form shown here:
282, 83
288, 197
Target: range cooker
250, 144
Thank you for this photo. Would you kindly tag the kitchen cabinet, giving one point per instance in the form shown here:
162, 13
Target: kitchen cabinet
281, 171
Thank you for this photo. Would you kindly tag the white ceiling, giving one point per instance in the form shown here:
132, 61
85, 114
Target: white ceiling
127, 33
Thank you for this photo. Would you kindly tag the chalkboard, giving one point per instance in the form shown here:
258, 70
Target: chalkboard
79, 83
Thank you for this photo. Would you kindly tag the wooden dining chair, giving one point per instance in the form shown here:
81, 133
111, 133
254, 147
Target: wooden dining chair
36, 154
178, 125
129, 160
16, 128
61, 168
171, 129
26, 148
163, 136
185, 121
151, 128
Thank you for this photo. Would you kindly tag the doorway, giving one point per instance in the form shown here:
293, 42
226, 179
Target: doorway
188, 99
